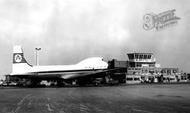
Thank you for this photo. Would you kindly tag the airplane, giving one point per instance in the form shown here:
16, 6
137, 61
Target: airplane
30, 74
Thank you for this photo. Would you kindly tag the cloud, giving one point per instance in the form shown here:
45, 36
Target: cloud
24, 19
69, 31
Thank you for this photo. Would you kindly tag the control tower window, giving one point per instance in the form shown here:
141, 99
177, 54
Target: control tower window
149, 56
136, 57
145, 56
131, 56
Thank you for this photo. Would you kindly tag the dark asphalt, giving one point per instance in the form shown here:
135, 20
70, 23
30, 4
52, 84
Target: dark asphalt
166, 98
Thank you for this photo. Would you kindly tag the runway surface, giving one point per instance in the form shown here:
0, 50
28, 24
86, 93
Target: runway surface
171, 98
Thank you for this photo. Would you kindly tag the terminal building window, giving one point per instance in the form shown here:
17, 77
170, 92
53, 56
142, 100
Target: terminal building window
129, 78
138, 65
145, 56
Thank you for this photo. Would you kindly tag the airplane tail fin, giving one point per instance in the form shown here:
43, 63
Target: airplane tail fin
20, 64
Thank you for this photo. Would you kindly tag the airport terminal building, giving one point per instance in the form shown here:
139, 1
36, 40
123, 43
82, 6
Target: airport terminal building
143, 68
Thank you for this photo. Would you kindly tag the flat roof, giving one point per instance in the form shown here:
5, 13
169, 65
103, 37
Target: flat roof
140, 53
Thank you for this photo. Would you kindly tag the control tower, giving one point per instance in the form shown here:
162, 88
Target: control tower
142, 63
141, 60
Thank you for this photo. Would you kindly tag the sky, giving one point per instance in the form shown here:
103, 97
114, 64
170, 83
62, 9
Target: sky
71, 30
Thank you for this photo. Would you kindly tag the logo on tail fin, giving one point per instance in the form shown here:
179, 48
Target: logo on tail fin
18, 58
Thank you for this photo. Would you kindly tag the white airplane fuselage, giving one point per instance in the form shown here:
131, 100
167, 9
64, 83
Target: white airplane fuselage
85, 67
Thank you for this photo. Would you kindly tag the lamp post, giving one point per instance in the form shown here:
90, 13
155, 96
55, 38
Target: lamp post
37, 55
